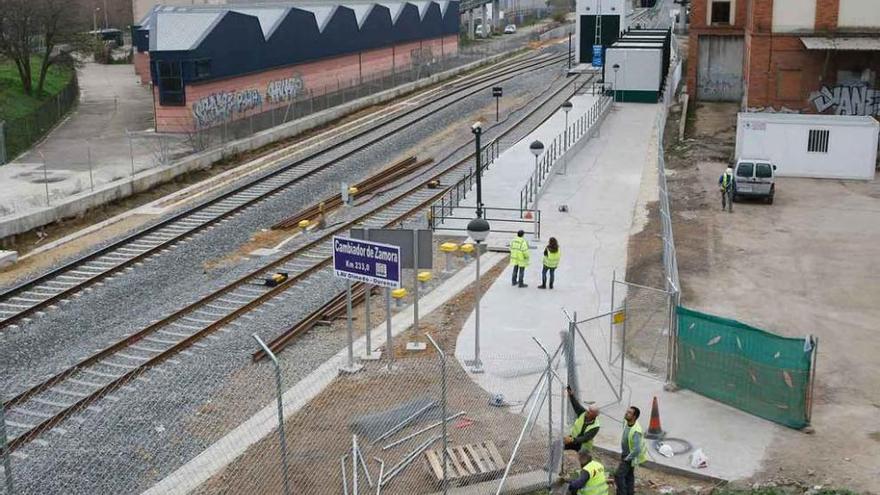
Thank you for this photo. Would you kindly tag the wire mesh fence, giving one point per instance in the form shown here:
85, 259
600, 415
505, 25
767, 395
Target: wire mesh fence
21, 133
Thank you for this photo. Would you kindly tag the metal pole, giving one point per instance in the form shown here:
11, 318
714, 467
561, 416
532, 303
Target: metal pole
477, 132
522, 433
4, 450
45, 176
389, 342
278, 392
478, 364
611, 322
497, 100
442, 406
349, 324
569, 51
91, 177
537, 236
131, 155
368, 328
622, 350
416, 280
354, 465
549, 422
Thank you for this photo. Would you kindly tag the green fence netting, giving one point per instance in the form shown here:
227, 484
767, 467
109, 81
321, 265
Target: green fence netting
748, 368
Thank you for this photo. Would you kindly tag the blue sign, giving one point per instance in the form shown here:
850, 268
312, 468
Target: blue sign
365, 261
597, 55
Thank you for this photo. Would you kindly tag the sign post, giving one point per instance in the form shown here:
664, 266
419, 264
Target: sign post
364, 261
497, 91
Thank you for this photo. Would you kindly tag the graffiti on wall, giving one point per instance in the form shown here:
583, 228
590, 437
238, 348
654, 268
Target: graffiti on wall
284, 89
847, 100
223, 106
421, 56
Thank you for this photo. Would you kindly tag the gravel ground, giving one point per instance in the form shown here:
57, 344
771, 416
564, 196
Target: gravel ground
131, 437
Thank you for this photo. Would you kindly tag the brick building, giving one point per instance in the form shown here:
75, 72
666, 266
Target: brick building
210, 65
811, 56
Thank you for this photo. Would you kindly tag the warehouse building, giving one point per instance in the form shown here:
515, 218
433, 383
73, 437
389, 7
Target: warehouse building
809, 56
210, 65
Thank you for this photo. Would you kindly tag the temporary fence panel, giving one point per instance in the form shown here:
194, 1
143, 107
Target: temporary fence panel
748, 368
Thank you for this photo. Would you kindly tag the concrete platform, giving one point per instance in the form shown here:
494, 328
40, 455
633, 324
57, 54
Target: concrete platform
605, 188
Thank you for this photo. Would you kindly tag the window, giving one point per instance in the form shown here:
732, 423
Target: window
745, 169
763, 171
202, 68
817, 141
720, 13
170, 84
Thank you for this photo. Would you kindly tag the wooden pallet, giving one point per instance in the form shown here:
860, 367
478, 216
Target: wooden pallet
467, 463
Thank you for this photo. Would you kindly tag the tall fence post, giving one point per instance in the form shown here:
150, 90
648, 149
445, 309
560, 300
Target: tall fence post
4, 452
2, 142
278, 394
443, 416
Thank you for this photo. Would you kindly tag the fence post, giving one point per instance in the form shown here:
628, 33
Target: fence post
4, 451
2, 142
278, 395
443, 416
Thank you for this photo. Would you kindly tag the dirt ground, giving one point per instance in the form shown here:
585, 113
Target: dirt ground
805, 265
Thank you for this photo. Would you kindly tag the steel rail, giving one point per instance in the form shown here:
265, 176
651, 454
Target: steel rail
41, 282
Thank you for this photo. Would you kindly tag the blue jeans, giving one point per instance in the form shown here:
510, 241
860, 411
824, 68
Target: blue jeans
519, 271
544, 276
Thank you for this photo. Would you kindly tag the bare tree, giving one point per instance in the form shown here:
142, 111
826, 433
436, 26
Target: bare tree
29, 29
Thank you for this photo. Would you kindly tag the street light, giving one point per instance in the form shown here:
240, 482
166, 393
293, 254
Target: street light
566, 107
478, 230
537, 147
477, 129
616, 68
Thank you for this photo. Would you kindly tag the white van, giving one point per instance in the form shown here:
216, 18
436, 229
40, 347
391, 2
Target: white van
754, 178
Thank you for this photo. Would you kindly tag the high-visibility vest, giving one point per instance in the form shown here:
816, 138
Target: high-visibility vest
726, 180
578, 429
597, 484
519, 252
551, 259
642, 456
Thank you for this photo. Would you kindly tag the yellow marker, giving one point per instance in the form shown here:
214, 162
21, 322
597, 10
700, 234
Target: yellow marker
303, 224
398, 293
449, 247
618, 317
352, 190
424, 276
467, 248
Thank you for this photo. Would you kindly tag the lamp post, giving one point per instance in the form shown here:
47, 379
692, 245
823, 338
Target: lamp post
478, 230
537, 147
566, 107
616, 68
477, 129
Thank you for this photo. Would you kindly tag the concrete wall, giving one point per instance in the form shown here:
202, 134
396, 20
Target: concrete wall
720, 68
142, 66
251, 94
83, 202
782, 138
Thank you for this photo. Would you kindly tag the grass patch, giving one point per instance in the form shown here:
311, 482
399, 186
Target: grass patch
14, 103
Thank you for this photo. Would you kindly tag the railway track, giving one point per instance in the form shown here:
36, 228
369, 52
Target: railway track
55, 287
48, 404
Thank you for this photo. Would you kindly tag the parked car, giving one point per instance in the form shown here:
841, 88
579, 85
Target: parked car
510, 29
754, 178
480, 32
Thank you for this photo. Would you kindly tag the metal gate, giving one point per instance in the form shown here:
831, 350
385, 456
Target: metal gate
720, 68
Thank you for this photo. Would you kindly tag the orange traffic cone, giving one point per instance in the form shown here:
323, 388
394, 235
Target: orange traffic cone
654, 429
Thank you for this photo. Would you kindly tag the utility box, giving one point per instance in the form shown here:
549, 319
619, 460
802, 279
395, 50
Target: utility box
817, 146
639, 74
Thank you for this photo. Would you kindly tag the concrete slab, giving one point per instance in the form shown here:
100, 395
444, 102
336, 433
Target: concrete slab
602, 190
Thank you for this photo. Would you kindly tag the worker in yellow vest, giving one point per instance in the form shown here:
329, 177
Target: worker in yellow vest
519, 258
591, 479
584, 428
551, 261
633, 451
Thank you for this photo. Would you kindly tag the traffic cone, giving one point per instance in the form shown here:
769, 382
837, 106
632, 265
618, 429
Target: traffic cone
654, 429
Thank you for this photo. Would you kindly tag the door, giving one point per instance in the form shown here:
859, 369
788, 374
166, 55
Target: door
720, 68
763, 179
744, 178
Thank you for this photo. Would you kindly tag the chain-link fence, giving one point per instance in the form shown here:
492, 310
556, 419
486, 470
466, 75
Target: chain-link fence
21, 133
642, 326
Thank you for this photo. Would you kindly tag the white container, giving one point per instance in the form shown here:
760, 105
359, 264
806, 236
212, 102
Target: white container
817, 146
640, 68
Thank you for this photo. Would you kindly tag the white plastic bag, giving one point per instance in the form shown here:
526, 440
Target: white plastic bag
666, 450
699, 459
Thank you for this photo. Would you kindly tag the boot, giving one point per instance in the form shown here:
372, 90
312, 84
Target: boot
542, 286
